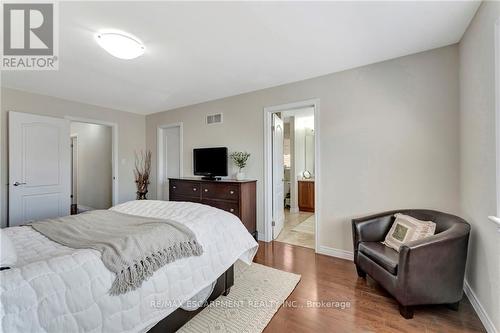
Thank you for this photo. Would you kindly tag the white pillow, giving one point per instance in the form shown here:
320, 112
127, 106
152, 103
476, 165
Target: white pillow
8, 256
406, 229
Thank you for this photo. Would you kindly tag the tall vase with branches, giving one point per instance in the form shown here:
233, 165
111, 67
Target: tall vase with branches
142, 171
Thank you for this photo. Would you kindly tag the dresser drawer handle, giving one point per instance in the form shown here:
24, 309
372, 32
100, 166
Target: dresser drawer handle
174, 187
231, 192
231, 210
195, 189
206, 190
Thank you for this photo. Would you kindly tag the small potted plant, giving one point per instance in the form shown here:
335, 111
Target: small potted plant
240, 160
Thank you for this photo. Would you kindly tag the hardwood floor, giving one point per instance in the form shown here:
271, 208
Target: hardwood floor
371, 309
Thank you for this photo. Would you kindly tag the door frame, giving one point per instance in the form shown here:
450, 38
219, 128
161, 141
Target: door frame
73, 166
114, 151
268, 158
160, 154
497, 115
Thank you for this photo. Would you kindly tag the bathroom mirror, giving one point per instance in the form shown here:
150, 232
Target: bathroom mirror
309, 151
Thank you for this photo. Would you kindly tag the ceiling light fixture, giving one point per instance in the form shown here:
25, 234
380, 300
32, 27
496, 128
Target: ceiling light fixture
120, 45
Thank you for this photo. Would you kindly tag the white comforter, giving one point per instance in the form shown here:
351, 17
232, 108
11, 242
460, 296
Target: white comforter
54, 288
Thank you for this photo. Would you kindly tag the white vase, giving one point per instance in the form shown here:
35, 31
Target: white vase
240, 175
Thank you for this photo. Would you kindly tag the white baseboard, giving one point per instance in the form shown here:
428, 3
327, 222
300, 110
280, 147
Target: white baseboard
338, 253
485, 319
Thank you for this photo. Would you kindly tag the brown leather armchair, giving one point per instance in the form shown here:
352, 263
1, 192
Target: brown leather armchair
427, 271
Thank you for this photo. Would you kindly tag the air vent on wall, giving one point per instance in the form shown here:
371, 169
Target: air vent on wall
214, 118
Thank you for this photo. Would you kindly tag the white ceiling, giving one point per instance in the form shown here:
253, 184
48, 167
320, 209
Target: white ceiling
203, 51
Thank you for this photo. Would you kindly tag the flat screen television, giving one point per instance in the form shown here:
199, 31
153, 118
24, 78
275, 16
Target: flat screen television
210, 162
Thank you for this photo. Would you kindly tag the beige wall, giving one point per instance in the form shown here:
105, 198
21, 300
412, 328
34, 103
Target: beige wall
94, 151
477, 142
131, 133
389, 137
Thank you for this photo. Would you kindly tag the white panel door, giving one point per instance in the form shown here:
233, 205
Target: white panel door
172, 162
278, 177
39, 168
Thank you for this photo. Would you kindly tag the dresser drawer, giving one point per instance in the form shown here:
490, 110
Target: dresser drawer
230, 207
185, 189
176, 197
220, 191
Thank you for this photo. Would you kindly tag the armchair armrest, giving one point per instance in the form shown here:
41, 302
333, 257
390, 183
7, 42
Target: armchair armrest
371, 228
431, 270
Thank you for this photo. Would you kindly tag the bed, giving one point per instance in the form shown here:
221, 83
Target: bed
54, 288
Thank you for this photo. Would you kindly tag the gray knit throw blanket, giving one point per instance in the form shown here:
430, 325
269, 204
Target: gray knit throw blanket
132, 247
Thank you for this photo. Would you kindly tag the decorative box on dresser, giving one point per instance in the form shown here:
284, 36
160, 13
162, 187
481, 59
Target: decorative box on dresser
234, 196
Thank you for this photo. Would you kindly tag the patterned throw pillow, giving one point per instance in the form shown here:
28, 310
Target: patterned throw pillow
406, 229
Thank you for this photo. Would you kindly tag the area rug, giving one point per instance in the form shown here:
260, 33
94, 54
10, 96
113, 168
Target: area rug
306, 227
257, 294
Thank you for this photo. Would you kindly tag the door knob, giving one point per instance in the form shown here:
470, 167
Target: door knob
18, 183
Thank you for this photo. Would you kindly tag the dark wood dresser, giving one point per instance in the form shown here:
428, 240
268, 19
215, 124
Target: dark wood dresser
235, 196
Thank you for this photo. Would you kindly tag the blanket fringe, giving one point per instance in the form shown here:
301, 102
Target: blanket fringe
131, 278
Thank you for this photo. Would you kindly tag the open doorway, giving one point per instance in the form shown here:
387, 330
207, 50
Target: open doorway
291, 173
169, 157
91, 166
